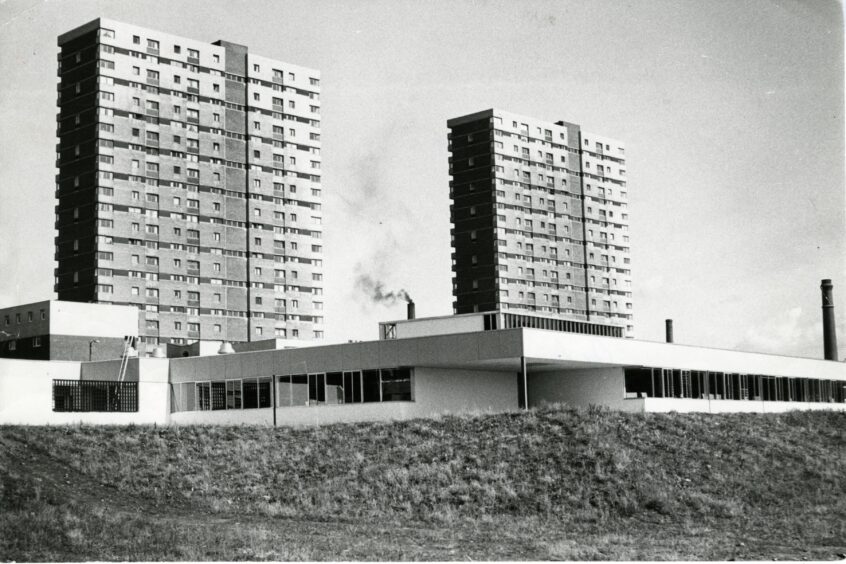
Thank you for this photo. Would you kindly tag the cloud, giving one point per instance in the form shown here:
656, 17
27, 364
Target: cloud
791, 332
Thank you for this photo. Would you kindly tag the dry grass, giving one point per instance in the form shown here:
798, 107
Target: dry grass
554, 483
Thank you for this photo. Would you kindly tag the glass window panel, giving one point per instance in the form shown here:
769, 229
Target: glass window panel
203, 396
264, 396
396, 384
371, 386
334, 388
218, 395
349, 385
316, 389
299, 389
250, 394
284, 390
233, 394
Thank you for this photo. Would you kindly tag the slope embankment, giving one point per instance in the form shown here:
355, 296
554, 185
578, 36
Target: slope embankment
554, 483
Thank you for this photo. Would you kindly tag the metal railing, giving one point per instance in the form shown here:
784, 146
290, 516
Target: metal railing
95, 395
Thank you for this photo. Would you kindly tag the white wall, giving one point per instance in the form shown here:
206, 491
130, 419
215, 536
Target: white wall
440, 325
26, 392
100, 320
443, 390
26, 389
591, 386
436, 391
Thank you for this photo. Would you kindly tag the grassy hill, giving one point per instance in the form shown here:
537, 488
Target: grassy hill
554, 483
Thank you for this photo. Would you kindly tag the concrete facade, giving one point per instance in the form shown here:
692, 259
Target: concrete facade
189, 185
594, 386
540, 219
498, 393
430, 375
26, 389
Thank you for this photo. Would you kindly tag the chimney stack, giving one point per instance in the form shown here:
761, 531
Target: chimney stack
668, 323
829, 333
410, 309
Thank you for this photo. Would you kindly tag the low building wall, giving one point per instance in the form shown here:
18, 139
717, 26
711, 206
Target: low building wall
26, 391
687, 405
589, 386
437, 391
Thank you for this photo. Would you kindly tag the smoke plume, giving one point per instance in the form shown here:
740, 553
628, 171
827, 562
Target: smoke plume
375, 289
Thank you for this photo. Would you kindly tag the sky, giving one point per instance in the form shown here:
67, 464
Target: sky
732, 113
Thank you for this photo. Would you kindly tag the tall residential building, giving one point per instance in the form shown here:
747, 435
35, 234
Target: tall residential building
189, 185
540, 220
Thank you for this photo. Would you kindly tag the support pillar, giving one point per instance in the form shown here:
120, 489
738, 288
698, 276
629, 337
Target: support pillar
273, 401
523, 385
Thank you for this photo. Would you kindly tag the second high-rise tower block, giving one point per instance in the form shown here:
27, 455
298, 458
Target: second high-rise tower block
540, 220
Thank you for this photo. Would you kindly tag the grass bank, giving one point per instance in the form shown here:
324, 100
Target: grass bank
554, 483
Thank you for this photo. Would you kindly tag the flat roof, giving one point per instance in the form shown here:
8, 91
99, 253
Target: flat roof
503, 350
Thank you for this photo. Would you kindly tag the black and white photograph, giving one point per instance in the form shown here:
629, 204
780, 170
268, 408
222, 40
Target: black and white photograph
396, 280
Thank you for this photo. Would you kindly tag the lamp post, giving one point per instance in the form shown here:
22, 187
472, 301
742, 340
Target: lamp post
91, 348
